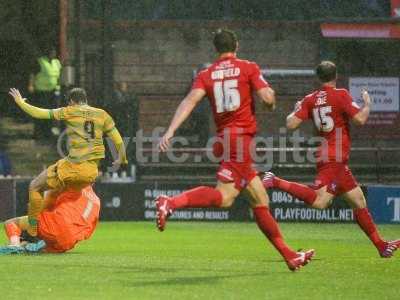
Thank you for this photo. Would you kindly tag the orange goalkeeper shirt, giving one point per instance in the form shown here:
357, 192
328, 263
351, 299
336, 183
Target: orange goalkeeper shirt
71, 218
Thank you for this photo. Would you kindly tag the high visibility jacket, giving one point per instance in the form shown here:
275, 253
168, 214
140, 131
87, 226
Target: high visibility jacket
48, 77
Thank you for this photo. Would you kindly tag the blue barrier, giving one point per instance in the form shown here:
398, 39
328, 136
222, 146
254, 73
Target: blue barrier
384, 204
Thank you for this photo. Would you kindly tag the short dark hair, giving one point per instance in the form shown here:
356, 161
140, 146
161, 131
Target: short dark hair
225, 40
77, 95
326, 71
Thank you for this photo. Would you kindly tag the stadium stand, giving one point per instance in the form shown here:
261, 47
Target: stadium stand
160, 79
17, 140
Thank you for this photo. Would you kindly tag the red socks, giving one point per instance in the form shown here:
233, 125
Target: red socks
366, 223
269, 227
202, 196
12, 229
13, 233
303, 192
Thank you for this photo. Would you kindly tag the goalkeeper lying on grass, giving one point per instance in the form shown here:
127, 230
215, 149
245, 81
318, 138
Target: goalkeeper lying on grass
63, 222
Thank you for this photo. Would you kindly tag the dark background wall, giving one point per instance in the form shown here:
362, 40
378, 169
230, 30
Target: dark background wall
241, 10
157, 59
27, 27
155, 48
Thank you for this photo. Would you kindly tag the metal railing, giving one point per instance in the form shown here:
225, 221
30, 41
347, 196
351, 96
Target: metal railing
375, 167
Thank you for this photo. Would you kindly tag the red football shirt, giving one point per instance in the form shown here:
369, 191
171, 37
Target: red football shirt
331, 110
229, 84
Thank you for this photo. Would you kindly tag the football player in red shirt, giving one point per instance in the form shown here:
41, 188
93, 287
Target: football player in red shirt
331, 110
229, 84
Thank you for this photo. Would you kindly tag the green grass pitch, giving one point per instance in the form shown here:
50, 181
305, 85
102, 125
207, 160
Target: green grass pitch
206, 261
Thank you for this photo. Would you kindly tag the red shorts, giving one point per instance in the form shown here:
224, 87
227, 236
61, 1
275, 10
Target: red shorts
237, 163
336, 176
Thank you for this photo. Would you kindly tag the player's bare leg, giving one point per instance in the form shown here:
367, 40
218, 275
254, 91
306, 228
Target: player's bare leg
270, 228
356, 200
324, 199
203, 196
229, 193
222, 195
13, 228
315, 198
50, 197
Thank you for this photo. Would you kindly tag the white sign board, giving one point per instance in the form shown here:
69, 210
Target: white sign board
384, 92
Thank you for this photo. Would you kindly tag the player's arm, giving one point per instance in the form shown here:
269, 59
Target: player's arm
267, 96
261, 86
361, 117
33, 111
112, 132
182, 113
116, 138
293, 121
